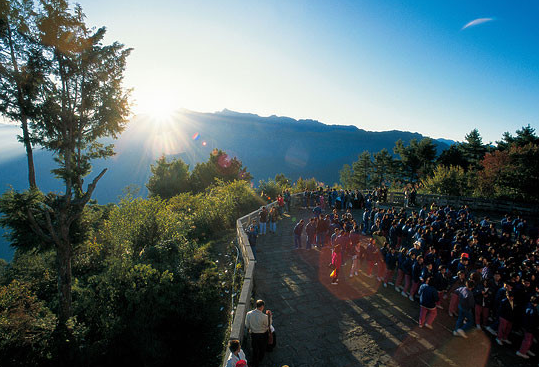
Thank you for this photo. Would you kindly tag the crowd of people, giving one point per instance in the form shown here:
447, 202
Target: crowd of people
486, 271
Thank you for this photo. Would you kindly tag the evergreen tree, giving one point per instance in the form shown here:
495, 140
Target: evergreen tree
383, 167
453, 156
219, 166
82, 102
416, 158
362, 171
473, 149
21, 70
168, 178
523, 137
346, 176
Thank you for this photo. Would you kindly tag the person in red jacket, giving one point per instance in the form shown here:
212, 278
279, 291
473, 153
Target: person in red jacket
336, 259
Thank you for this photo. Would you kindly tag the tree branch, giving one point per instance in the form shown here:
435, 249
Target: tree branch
86, 197
51, 228
35, 227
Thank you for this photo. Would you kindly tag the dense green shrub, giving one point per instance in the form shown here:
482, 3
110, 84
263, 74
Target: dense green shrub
143, 279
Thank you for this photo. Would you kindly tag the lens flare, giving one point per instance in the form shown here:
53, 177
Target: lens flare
195, 136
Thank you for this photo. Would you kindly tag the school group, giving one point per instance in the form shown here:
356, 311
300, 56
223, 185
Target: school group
487, 271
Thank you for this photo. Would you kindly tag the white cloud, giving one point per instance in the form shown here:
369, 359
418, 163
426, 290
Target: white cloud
477, 22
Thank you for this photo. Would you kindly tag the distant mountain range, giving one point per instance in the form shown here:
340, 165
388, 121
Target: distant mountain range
265, 145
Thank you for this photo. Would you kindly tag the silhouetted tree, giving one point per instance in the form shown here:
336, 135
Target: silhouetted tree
21, 70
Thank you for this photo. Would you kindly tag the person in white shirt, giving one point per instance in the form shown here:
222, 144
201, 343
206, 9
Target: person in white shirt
257, 322
236, 353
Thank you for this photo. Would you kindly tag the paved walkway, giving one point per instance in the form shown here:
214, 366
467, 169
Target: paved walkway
358, 322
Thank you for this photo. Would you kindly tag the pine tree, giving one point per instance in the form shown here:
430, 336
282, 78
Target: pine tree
382, 167
362, 171
473, 149
21, 70
82, 101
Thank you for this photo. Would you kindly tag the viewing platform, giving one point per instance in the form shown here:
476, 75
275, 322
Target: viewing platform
355, 323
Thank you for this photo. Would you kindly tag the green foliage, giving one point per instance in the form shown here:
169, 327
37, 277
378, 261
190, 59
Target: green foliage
14, 207
218, 208
168, 178
305, 184
219, 166
473, 149
384, 168
523, 137
346, 176
269, 190
362, 171
417, 158
26, 327
138, 224
141, 276
282, 181
22, 70
453, 156
451, 180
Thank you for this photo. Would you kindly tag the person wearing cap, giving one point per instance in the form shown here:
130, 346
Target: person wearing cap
463, 263
236, 353
257, 322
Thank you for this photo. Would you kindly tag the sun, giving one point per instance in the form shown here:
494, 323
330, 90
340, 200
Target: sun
160, 108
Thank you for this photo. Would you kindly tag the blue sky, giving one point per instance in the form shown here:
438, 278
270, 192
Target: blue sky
379, 65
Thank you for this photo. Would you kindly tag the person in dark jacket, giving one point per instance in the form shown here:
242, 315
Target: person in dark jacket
407, 266
401, 258
530, 321
466, 305
252, 235
391, 265
441, 283
426, 273
507, 317
393, 234
310, 229
483, 296
417, 268
428, 297
298, 230
372, 256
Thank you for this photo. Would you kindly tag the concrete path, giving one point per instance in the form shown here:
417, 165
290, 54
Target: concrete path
358, 322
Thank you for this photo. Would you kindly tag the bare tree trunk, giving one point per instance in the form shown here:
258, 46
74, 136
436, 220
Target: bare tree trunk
29, 153
23, 116
63, 258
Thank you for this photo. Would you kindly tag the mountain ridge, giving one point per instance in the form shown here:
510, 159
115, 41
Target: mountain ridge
266, 146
